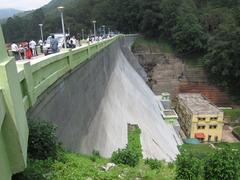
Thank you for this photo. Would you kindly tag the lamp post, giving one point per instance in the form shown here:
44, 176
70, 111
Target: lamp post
82, 33
104, 30
60, 9
41, 30
94, 28
69, 31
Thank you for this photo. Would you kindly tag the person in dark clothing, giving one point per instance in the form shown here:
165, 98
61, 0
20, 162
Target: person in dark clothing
54, 44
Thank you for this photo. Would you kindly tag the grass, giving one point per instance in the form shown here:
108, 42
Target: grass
134, 142
153, 45
232, 113
194, 60
77, 167
237, 130
72, 166
205, 149
162, 45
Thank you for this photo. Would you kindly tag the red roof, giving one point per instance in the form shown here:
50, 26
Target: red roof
200, 135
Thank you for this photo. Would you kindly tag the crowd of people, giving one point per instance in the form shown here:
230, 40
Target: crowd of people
27, 50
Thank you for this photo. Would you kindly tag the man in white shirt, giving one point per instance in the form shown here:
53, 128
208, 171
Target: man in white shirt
15, 51
32, 45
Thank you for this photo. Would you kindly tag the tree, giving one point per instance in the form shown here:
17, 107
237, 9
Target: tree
188, 34
224, 165
222, 58
188, 167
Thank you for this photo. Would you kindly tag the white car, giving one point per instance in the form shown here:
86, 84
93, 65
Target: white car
60, 38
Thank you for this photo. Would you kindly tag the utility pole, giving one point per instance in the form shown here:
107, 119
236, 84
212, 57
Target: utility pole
61, 8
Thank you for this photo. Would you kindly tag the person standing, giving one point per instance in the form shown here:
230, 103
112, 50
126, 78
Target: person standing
22, 51
40, 43
32, 45
54, 44
15, 51
28, 52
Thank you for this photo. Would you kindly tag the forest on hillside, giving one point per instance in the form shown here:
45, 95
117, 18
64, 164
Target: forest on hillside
207, 27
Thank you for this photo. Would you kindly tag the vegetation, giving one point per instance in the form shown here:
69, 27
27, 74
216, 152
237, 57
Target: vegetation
219, 163
236, 131
159, 45
234, 114
188, 166
134, 143
42, 142
125, 156
223, 164
67, 165
153, 163
133, 152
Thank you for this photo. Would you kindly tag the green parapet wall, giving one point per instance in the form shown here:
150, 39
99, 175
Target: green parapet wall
13, 122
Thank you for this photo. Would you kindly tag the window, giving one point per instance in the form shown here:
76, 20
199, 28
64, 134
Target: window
212, 126
201, 127
216, 139
201, 119
213, 118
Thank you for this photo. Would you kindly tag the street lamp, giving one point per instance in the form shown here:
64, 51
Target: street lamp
41, 30
60, 9
94, 27
104, 30
82, 33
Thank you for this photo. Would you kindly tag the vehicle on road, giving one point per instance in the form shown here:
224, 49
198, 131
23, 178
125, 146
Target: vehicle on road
60, 38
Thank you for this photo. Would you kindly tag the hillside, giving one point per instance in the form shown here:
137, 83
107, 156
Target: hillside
5, 13
207, 27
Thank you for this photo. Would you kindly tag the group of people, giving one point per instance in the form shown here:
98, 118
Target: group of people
71, 42
25, 51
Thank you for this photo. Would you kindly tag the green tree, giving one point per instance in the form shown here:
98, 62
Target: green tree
222, 58
188, 167
224, 165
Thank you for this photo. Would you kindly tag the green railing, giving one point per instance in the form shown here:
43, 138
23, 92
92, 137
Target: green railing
36, 77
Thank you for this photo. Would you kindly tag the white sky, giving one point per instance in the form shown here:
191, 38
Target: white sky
22, 4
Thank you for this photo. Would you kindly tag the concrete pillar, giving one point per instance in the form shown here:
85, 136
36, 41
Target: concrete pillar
14, 127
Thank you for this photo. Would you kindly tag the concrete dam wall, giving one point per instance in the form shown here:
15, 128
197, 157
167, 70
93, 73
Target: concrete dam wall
93, 105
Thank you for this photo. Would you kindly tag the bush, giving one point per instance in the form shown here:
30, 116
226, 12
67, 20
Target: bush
42, 142
95, 155
224, 165
188, 166
153, 163
125, 156
35, 170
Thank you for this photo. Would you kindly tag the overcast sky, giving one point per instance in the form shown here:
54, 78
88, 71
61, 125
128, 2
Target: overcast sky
22, 4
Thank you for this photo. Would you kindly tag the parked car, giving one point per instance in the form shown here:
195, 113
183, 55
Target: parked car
60, 39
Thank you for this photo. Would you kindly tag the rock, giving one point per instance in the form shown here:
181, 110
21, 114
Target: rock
108, 166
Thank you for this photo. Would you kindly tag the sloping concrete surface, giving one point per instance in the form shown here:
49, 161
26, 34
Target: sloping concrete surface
93, 105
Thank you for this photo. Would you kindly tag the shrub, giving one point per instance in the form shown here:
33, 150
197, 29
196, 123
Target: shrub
153, 163
95, 155
224, 165
188, 166
42, 141
125, 156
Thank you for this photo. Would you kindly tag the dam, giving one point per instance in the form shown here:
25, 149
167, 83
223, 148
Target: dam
91, 94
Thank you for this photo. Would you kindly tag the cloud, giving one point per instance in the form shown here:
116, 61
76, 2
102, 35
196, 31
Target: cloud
23, 4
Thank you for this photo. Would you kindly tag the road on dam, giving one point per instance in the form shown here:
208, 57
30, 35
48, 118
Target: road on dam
93, 105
